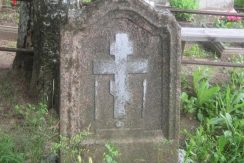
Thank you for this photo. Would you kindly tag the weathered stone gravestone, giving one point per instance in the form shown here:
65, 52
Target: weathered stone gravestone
223, 5
119, 66
158, 2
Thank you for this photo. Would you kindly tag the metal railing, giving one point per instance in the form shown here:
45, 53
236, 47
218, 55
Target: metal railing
200, 12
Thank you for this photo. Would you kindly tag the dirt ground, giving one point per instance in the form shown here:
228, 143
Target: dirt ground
6, 58
9, 16
13, 88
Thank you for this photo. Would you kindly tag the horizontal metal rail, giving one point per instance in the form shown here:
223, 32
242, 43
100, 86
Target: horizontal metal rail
239, 9
16, 50
200, 12
211, 63
184, 61
212, 34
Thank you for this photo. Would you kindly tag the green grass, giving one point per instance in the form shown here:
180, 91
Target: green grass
29, 132
73, 151
239, 59
9, 94
220, 109
33, 133
8, 151
196, 50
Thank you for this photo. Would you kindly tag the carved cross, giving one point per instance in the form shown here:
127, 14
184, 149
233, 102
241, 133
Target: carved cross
120, 67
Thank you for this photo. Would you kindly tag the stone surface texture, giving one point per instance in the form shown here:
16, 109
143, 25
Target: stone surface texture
223, 5
119, 77
164, 2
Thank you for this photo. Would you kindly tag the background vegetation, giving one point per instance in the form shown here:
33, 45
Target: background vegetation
239, 3
220, 110
184, 4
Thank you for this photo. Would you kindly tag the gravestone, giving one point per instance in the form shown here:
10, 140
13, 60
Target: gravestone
222, 5
158, 2
119, 66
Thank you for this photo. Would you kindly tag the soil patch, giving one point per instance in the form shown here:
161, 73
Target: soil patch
13, 88
6, 58
9, 17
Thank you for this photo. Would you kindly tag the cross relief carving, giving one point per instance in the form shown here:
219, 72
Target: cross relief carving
121, 67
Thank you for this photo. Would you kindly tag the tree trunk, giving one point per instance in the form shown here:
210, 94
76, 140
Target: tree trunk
40, 28
23, 62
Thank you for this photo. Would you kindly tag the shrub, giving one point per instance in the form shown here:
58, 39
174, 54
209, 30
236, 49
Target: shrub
111, 153
35, 131
184, 4
33, 115
71, 148
239, 3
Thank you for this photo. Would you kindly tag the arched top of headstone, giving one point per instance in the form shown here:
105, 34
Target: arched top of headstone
129, 9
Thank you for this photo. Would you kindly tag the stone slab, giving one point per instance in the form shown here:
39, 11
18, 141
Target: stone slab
223, 5
119, 65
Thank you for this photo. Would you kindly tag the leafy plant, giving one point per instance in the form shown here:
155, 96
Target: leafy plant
111, 153
184, 4
71, 148
73, 151
204, 94
35, 131
220, 135
8, 152
202, 87
237, 79
33, 115
189, 103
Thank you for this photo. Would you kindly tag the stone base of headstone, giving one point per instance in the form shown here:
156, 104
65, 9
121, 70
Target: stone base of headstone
136, 150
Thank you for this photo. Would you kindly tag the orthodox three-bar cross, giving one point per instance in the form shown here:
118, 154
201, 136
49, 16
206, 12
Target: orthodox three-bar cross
120, 67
